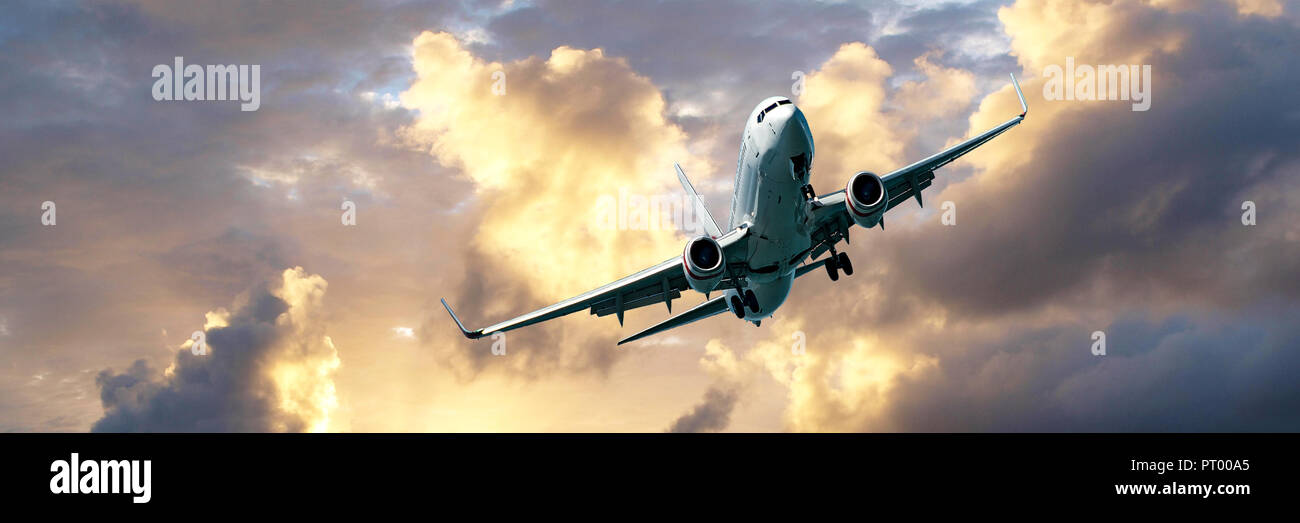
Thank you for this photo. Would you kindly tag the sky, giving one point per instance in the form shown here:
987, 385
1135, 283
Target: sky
178, 266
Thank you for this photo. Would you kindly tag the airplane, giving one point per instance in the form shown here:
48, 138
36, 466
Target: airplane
778, 224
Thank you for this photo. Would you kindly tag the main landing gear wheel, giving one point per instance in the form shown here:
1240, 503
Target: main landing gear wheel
837, 262
843, 262
751, 301
738, 307
832, 269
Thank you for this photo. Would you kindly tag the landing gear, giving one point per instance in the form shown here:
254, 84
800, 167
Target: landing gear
843, 261
746, 299
838, 261
807, 191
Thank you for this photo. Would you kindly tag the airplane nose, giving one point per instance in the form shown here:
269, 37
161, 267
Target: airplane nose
795, 132
794, 123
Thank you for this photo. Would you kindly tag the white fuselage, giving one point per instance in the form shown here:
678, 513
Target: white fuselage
776, 152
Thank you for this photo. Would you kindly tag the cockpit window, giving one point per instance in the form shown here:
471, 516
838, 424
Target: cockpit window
770, 107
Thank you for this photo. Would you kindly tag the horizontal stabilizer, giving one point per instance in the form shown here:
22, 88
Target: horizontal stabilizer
707, 309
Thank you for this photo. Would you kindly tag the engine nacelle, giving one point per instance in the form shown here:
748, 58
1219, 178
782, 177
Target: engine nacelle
703, 263
866, 198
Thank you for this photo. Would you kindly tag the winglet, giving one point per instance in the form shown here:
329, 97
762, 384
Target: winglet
1024, 107
704, 217
473, 335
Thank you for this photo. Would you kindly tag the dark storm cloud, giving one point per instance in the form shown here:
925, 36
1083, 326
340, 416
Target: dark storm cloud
232, 388
1200, 373
712, 414
159, 215
1145, 201
1119, 221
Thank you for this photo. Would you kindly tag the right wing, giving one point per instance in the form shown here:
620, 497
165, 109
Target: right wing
831, 216
661, 283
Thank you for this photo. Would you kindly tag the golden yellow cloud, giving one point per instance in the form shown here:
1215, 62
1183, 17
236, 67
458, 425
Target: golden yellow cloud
304, 374
860, 124
844, 101
1267, 8
944, 91
542, 140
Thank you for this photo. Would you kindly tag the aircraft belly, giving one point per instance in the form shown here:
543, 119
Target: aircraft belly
776, 237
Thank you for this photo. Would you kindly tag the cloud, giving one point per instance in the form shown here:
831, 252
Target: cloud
1089, 216
161, 213
541, 144
844, 101
944, 92
269, 368
712, 414
860, 123
732, 376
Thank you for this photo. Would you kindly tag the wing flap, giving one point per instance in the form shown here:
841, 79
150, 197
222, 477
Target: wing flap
649, 297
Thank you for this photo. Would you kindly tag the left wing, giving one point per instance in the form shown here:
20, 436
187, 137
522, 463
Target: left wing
831, 216
662, 283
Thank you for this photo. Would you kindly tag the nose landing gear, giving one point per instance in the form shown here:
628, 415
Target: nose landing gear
807, 191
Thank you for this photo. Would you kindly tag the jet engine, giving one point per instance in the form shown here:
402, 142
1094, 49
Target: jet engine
703, 263
866, 199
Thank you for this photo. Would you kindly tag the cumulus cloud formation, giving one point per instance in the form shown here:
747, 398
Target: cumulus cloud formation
845, 103
860, 123
1088, 217
712, 414
269, 367
732, 376
542, 139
